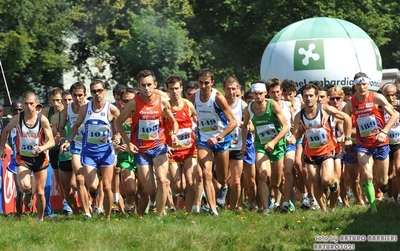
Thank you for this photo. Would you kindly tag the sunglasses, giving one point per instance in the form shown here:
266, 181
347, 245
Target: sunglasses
335, 98
96, 91
125, 100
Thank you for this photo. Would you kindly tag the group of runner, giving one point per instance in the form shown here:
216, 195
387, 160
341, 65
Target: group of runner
207, 151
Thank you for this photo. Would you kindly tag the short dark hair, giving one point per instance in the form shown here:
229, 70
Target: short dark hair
272, 82
98, 81
205, 72
65, 92
173, 79
55, 91
128, 90
359, 75
310, 86
118, 89
347, 90
144, 74
247, 95
230, 80
288, 85
191, 85
76, 86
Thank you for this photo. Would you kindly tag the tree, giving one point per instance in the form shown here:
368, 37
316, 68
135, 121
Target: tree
237, 31
134, 36
32, 48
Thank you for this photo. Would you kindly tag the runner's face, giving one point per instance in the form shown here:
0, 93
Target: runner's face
174, 90
322, 97
98, 92
231, 91
79, 96
205, 84
289, 96
17, 108
390, 94
259, 97
362, 89
126, 96
118, 102
309, 98
56, 102
146, 86
190, 92
275, 93
335, 100
66, 99
30, 104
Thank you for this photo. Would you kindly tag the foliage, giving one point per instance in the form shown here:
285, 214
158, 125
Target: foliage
32, 44
168, 37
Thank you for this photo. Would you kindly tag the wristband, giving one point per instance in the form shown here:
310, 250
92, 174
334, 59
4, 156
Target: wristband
348, 138
384, 132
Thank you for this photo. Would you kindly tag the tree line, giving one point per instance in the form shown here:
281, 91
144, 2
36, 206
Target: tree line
42, 39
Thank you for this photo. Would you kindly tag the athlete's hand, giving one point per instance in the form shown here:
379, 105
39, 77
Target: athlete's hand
64, 146
243, 149
175, 139
38, 149
291, 140
169, 151
269, 147
2, 154
381, 137
132, 148
121, 148
57, 138
212, 141
116, 139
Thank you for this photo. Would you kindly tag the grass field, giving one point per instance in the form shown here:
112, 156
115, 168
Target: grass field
230, 231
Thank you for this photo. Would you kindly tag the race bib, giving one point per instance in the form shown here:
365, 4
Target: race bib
208, 124
394, 135
266, 133
148, 129
235, 137
184, 136
97, 134
79, 135
367, 126
26, 146
316, 137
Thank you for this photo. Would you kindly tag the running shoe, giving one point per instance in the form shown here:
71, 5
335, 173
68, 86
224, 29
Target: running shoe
213, 213
66, 209
222, 196
100, 210
334, 186
271, 202
305, 204
28, 200
285, 207
314, 205
292, 208
391, 200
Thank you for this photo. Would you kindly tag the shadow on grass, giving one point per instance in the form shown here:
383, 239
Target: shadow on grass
367, 231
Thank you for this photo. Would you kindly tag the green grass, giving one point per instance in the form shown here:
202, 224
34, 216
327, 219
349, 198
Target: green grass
230, 231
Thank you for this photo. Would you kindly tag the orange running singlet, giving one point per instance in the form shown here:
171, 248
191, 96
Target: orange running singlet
147, 129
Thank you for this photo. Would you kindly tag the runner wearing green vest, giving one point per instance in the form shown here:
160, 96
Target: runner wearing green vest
270, 130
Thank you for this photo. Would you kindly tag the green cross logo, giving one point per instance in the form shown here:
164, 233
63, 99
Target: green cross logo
309, 55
